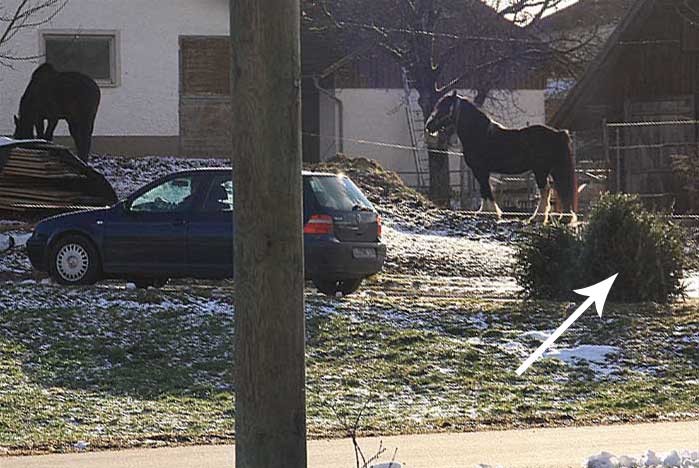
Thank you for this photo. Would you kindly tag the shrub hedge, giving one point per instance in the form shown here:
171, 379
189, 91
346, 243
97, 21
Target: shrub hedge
620, 237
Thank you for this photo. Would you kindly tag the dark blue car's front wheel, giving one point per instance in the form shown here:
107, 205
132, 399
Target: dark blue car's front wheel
74, 261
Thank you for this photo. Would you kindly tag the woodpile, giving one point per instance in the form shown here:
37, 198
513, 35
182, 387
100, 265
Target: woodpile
47, 176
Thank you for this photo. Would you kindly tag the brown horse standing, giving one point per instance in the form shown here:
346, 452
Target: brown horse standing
52, 95
489, 147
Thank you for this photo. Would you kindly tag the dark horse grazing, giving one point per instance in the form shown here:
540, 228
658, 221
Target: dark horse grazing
52, 95
489, 147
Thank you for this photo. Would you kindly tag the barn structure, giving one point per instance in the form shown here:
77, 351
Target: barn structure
587, 20
636, 108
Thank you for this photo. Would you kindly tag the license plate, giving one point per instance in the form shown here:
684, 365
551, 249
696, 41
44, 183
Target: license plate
364, 252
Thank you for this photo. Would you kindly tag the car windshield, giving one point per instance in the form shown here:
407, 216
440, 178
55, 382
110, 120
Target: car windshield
338, 193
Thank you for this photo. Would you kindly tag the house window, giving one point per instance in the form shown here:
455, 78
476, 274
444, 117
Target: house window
92, 54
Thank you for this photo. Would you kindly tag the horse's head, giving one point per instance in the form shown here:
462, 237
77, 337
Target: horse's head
24, 128
444, 116
456, 114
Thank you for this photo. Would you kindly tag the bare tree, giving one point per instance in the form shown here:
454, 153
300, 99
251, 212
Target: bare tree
448, 44
22, 15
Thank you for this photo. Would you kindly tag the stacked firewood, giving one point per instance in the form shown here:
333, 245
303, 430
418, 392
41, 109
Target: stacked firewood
37, 178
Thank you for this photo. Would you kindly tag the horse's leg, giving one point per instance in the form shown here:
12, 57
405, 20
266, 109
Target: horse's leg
544, 197
77, 133
487, 199
564, 177
87, 141
39, 125
50, 128
88, 136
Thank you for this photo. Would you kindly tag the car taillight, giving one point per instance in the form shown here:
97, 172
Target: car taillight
319, 224
378, 225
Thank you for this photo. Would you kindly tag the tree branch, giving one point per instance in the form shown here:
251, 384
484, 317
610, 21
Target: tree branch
28, 15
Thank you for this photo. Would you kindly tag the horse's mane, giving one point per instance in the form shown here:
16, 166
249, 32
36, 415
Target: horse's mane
476, 115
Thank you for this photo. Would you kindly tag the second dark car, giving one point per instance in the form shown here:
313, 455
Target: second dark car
182, 226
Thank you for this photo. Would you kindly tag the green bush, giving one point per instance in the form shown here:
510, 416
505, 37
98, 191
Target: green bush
620, 237
546, 262
643, 248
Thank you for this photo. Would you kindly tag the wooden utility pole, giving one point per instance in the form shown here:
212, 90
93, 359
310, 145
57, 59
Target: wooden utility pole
269, 323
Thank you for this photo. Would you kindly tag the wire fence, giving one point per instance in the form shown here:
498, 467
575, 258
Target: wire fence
629, 157
656, 160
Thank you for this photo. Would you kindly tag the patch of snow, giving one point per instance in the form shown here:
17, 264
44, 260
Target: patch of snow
674, 458
537, 335
602, 460
479, 321
594, 355
437, 254
5, 242
81, 445
14, 262
21, 239
591, 353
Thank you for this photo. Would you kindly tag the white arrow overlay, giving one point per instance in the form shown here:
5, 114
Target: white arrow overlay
597, 294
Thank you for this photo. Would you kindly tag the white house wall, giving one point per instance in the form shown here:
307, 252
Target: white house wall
378, 116
146, 100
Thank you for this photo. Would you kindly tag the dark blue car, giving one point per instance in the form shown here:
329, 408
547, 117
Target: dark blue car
182, 226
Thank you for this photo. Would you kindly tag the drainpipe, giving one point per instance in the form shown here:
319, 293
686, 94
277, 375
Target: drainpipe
340, 109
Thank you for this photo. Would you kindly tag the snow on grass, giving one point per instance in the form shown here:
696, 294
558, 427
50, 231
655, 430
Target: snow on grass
14, 263
6, 242
441, 255
113, 366
597, 357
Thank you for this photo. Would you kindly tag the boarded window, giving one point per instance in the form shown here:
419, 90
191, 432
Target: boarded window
205, 107
93, 55
205, 66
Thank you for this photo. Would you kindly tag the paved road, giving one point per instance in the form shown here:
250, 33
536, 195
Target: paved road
566, 447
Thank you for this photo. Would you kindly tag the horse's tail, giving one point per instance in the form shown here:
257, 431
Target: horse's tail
563, 171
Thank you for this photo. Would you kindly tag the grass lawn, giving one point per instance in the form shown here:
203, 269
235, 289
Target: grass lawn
123, 368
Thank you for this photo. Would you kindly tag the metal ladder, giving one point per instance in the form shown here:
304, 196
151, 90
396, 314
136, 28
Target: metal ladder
416, 126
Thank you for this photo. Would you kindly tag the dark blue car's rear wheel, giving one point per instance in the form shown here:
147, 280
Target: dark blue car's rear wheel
333, 287
74, 261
